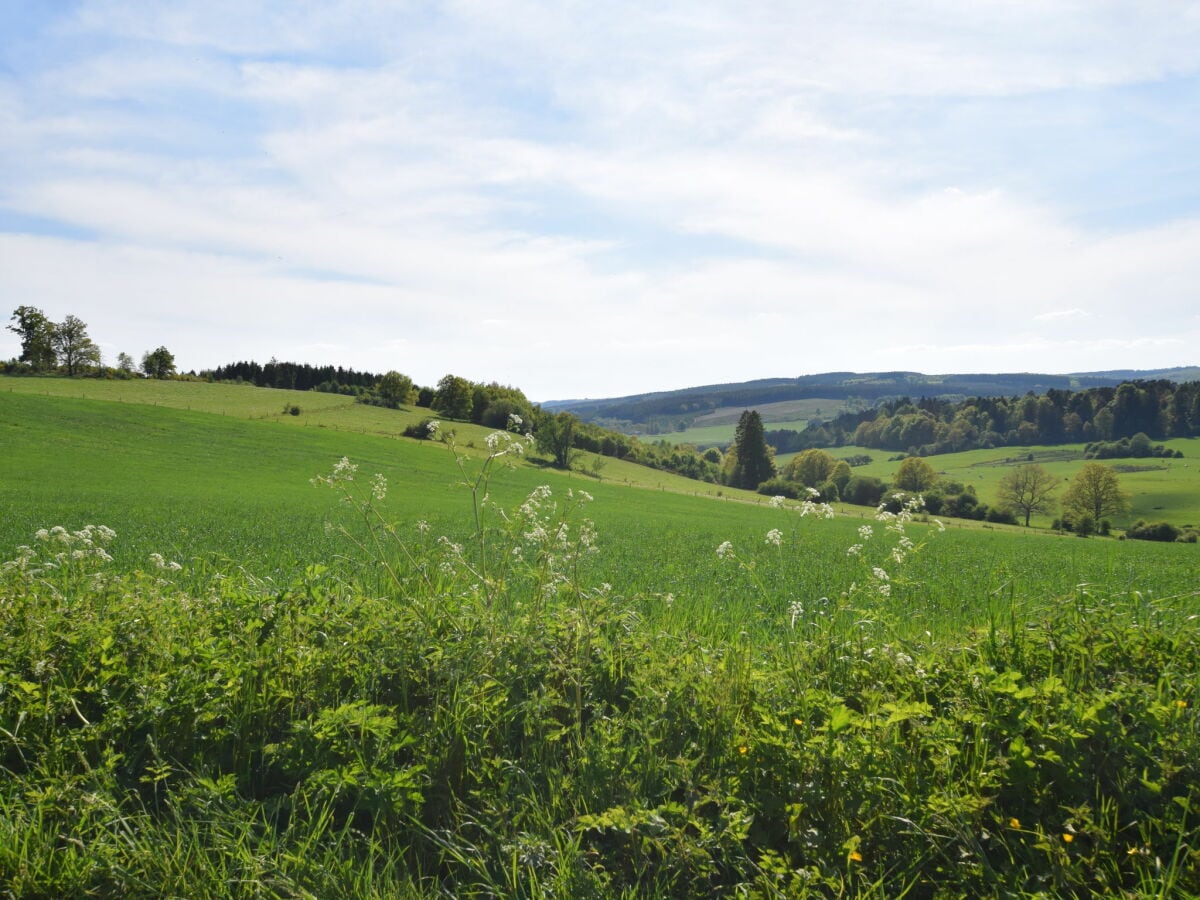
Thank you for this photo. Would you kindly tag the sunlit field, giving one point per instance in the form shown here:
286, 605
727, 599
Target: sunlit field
281, 675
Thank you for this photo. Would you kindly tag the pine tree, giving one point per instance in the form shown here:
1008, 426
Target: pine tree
754, 463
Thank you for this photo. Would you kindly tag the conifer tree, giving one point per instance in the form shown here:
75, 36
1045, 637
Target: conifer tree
754, 463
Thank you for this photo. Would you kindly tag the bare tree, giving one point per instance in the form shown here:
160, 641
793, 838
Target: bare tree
1029, 489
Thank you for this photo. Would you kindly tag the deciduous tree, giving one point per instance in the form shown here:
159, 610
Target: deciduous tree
555, 436
395, 389
1095, 491
914, 474
453, 397
37, 337
159, 363
74, 349
811, 468
1028, 489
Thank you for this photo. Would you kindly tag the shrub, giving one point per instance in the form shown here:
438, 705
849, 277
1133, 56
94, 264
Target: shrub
1141, 530
1002, 515
425, 430
864, 490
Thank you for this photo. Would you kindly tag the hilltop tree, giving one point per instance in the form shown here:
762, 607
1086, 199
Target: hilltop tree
37, 337
74, 349
1096, 492
125, 363
159, 363
395, 389
1028, 489
753, 462
454, 397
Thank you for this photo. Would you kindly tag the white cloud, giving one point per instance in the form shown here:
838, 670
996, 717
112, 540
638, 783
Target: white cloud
584, 199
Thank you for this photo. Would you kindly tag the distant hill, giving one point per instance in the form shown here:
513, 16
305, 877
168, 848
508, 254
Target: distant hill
669, 411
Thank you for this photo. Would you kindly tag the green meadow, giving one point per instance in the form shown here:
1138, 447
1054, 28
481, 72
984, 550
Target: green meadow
487, 677
1160, 489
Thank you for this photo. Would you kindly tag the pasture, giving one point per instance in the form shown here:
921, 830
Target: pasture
491, 680
1160, 489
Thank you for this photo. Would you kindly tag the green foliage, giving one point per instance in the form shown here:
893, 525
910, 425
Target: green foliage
915, 475
1137, 447
453, 398
37, 337
752, 462
508, 724
555, 434
1141, 530
811, 468
1095, 491
395, 389
158, 363
75, 350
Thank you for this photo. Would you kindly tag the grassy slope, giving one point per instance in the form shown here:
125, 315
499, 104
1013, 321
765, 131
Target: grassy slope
192, 485
330, 741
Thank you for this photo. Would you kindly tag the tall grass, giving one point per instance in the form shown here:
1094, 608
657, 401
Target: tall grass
502, 710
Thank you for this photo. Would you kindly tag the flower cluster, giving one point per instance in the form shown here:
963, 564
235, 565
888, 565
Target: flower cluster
63, 550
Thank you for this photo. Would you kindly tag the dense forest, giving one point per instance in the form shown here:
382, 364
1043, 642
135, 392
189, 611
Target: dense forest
1156, 409
294, 376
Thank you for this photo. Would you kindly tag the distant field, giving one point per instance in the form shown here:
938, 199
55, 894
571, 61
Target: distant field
717, 427
1164, 489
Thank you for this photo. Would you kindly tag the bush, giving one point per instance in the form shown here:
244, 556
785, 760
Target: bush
1002, 515
422, 430
1141, 530
1085, 525
783, 487
864, 490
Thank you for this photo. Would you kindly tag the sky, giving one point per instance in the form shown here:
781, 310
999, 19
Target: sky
588, 199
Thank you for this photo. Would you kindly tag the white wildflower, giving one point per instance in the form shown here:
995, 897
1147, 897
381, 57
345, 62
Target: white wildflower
431, 428
879, 574
775, 537
854, 549
865, 532
726, 549
777, 501
379, 486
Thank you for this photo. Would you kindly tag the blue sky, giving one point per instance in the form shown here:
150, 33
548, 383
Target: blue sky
588, 199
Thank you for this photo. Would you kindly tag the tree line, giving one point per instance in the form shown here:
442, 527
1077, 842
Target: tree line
1156, 409
66, 348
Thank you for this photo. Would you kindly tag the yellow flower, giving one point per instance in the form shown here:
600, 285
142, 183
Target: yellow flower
1182, 704
1014, 822
798, 721
743, 749
855, 856
1068, 837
